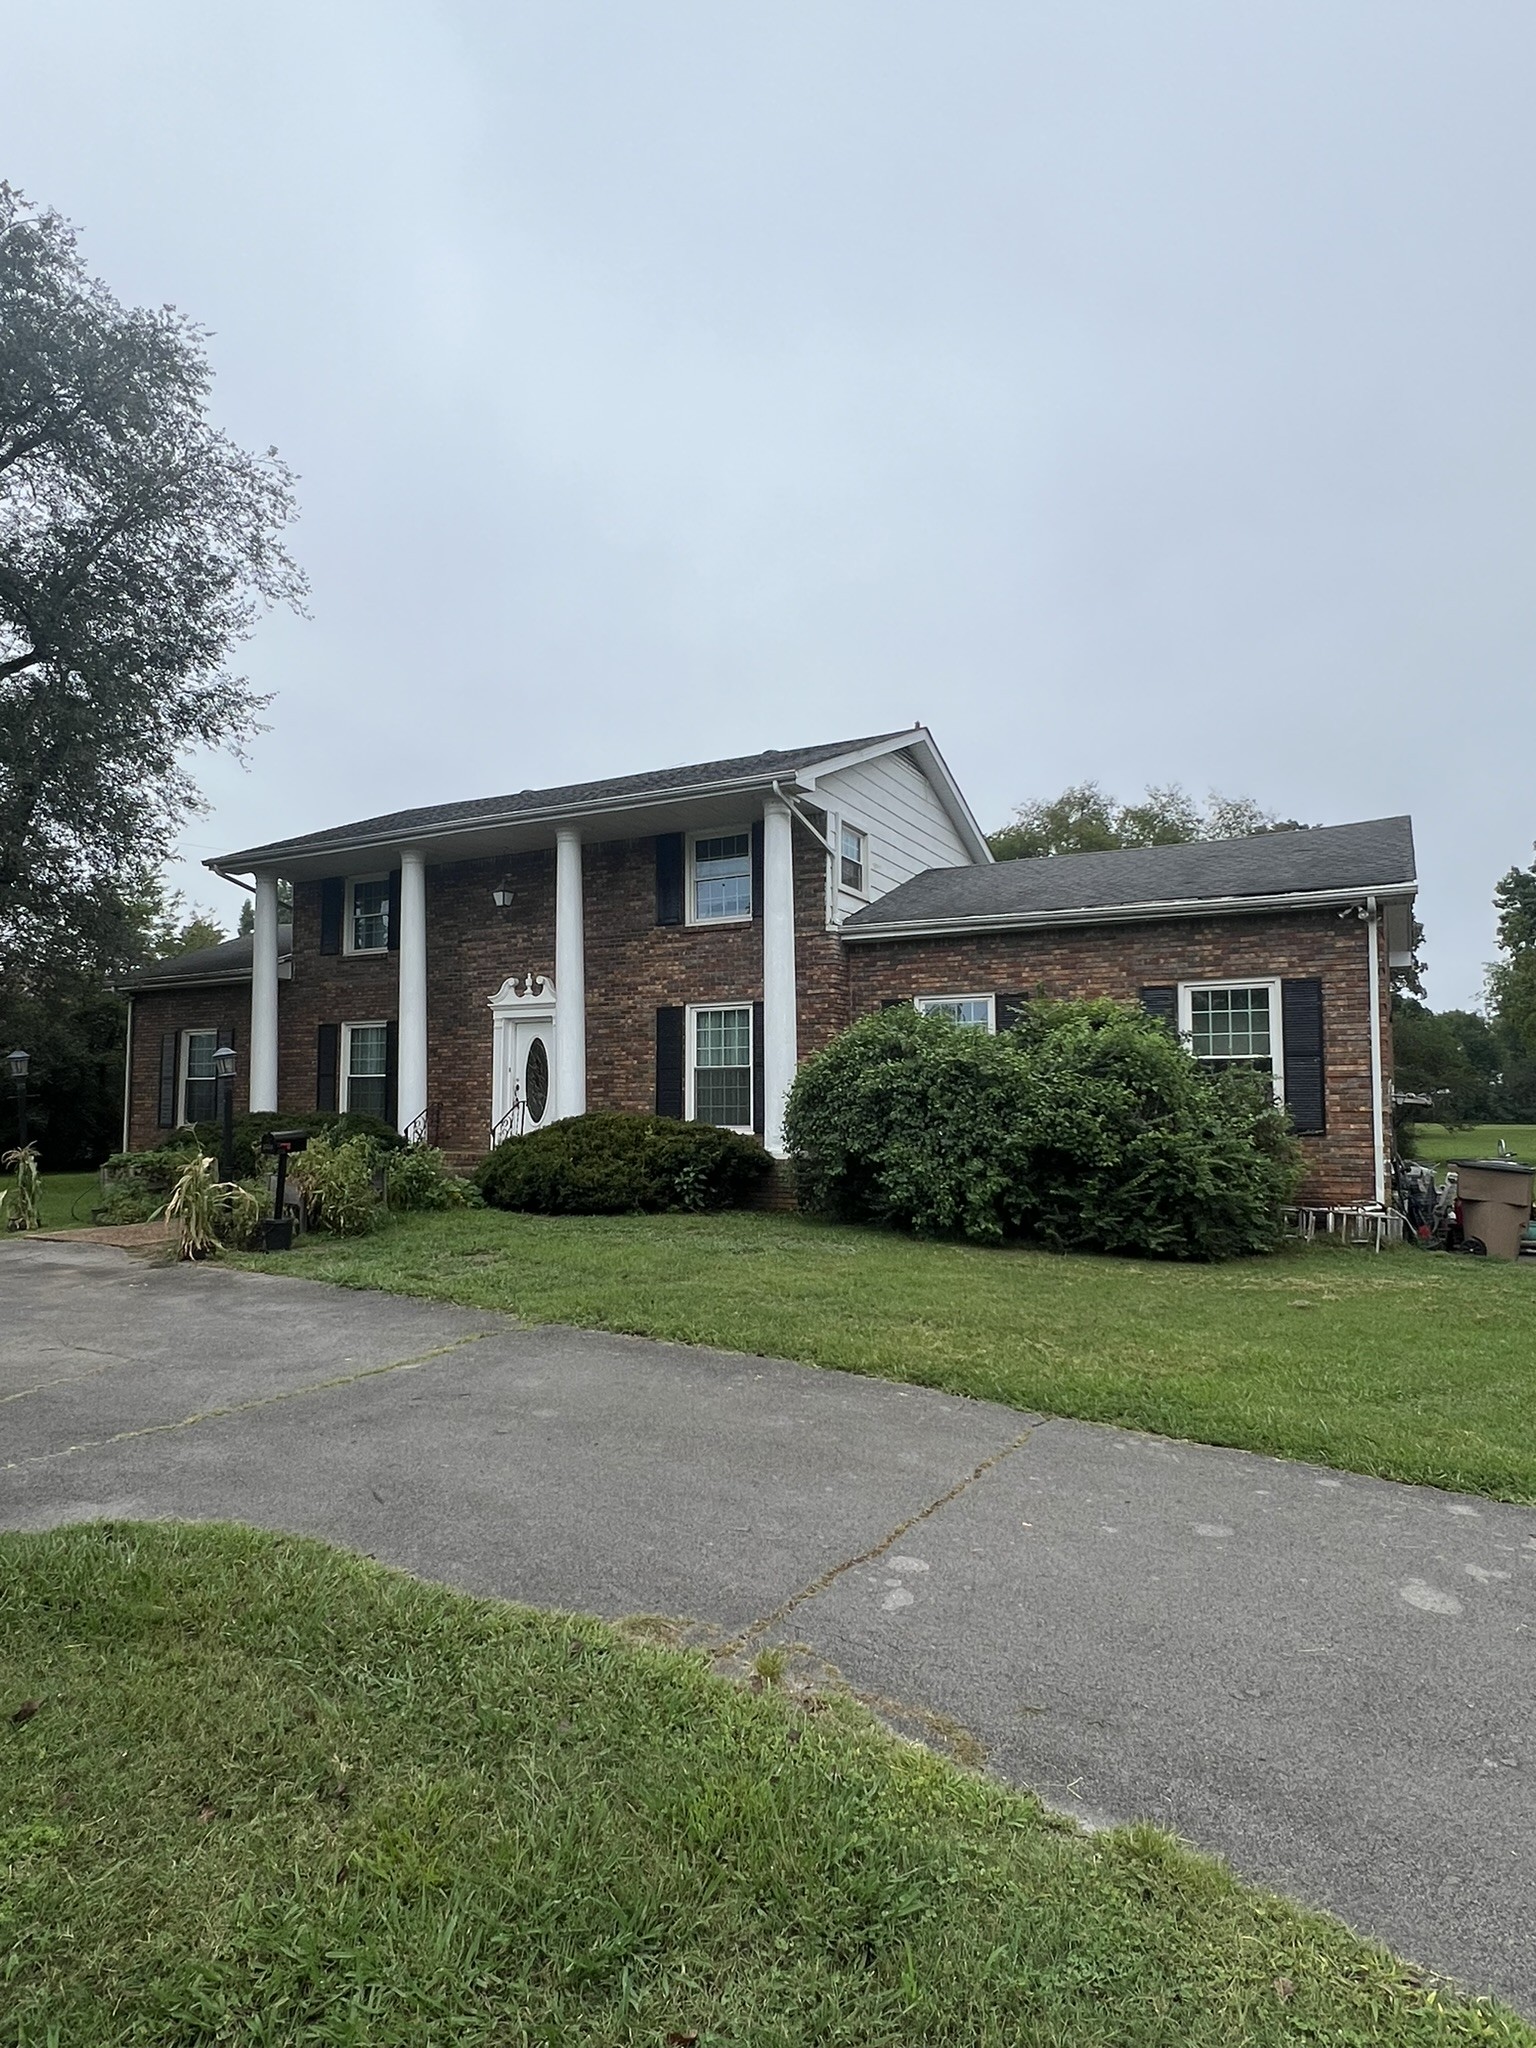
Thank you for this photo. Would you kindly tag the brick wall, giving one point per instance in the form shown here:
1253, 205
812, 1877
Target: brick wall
1121, 960
193, 1009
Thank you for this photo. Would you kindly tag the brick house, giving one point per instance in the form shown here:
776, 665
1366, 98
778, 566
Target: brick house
679, 940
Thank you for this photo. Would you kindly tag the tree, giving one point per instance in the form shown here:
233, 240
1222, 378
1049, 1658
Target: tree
1083, 819
1512, 980
247, 923
137, 546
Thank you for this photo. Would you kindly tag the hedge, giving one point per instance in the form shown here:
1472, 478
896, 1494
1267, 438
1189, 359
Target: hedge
609, 1162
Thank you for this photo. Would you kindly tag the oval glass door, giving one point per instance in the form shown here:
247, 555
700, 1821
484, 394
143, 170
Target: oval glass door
535, 1080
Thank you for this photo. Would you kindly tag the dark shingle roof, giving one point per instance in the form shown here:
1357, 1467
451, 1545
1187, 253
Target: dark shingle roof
229, 962
570, 796
1323, 858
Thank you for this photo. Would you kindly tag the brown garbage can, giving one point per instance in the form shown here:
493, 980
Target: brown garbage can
1495, 1197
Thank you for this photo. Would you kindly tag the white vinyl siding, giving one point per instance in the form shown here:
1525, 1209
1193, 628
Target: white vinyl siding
906, 827
365, 1068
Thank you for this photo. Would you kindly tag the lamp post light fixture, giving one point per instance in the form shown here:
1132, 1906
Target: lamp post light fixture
18, 1062
224, 1068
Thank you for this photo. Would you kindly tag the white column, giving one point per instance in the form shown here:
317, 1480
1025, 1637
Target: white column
778, 1050
263, 1052
411, 1070
570, 978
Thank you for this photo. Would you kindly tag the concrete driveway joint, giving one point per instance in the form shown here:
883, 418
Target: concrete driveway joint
1329, 1679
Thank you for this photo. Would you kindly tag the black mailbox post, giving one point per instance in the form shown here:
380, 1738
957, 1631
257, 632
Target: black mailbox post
277, 1233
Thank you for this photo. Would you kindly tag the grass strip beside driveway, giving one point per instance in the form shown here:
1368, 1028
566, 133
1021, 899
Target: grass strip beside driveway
1405, 1365
255, 1789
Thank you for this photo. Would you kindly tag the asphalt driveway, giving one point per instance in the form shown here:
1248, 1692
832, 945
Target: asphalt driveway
1330, 1680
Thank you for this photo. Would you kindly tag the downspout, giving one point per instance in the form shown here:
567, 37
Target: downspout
1378, 1104
127, 1077
792, 805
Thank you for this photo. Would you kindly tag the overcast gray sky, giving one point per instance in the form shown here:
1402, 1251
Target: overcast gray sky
1131, 392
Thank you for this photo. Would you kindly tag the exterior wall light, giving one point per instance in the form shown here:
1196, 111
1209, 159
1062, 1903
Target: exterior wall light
502, 898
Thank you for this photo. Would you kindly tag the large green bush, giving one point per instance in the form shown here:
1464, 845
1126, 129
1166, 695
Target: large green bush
1086, 1127
609, 1163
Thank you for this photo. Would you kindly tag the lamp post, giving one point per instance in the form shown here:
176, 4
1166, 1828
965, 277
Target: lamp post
224, 1067
18, 1062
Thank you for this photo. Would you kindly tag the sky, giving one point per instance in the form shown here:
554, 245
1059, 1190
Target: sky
1142, 394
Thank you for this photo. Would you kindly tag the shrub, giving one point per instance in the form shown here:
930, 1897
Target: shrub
249, 1130
146, 1176
610, 1163
1086, 1127
208, 1211
340, 1179
416, 1178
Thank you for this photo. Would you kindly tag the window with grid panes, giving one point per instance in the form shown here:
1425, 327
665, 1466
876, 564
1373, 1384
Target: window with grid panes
365, 1082
370, 915
722, 1067
975, 1011
1232, 1027
200, 1085
851, 862
722, 877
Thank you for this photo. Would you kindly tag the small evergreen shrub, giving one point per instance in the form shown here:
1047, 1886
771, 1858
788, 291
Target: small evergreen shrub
138, 1177
416, 1178
1086, 1127
611, 1163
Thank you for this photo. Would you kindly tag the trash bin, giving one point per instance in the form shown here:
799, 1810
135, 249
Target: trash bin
1495, 1197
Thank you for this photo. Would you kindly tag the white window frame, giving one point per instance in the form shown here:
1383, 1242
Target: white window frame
690, 1060
842, 825
184, 1059
1187, 993
349, 921
690, 885
927, 1006
344, 1078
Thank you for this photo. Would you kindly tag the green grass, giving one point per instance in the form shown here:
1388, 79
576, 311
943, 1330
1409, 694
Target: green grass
276, 1795
1409, 1365
1477, 1141
66, 1199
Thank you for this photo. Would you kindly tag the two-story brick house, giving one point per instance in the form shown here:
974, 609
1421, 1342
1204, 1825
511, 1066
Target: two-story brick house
679, 940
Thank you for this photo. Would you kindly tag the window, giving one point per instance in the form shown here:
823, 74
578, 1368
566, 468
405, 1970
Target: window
199, 1083
364, 1068
720, 1072
722, 878
368, 914
850, 866
976, 1011
1233, 1024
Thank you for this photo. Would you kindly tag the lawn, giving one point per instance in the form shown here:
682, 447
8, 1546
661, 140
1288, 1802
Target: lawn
1436, 1143
67, 1198
1405, 1364
256, 1790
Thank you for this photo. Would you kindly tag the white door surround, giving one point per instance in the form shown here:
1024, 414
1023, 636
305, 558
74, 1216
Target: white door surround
525, 1078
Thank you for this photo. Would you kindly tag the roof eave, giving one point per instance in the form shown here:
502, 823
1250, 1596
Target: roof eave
1131, 913
552, 814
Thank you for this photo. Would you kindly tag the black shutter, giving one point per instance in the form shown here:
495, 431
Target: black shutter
1162, 1002
669, 879
757, 869
1007, 1010
759, 1092
1301, 1035
896, 1003
166, 1114
670, 1033
226, 1036
333, 903
392, 912
327, 1064
392, 1073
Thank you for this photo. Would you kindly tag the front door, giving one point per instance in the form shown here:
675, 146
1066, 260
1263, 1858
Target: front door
529, 1072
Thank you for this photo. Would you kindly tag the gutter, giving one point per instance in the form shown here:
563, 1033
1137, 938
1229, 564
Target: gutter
1378, 1106
1120, 913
